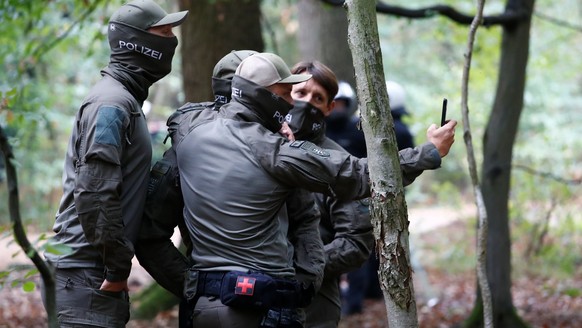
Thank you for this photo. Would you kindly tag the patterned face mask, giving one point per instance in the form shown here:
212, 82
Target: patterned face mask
306, 121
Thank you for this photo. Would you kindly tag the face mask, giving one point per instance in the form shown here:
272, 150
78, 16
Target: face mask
306, 121
146, 53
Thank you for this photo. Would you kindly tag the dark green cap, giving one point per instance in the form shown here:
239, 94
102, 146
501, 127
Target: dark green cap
144, 14
226, 66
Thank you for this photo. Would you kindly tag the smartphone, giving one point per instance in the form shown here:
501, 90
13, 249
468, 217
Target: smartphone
444, 112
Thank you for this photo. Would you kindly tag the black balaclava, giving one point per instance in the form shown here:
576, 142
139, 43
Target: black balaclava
269, 108
222, 91
223, 72
306, 121
139, 58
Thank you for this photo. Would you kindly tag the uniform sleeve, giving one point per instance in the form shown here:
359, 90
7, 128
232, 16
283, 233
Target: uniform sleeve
303, 164
308, 256
353, 237
414, 161
98, 187
163, 212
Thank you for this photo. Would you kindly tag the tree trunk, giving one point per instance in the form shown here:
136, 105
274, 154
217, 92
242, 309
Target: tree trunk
388, 209
496, 172
323, 36
213, 29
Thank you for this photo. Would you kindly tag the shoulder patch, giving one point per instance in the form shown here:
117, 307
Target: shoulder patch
310, 147
109, 126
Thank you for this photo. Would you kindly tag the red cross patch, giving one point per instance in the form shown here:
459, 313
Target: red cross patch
245, 286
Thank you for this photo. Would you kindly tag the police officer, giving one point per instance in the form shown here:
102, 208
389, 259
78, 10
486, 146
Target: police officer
164, 204
345, 225
106, 169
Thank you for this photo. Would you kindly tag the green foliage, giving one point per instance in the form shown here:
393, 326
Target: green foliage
151, 300
550, 208
14, 278
46, 48
426, 57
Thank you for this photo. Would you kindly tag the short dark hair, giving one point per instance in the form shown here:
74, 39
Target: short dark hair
320, 74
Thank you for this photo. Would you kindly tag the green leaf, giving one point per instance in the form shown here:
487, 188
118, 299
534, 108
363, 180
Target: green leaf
28, 286
57, 249
31, 273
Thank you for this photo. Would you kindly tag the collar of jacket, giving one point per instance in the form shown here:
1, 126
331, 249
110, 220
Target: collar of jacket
263, 106
131, 78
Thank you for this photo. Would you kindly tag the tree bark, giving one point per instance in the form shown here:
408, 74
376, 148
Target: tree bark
496, 171
387, 207
212, 30
323, 36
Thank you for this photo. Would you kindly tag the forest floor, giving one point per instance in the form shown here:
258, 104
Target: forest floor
445, 295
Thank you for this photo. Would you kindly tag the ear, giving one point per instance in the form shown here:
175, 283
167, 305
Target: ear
329, 108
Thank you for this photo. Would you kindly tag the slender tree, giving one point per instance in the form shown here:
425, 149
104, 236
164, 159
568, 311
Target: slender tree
388, 209
482, 228
496, 168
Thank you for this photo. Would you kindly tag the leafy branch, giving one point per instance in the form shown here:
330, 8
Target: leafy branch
47, 46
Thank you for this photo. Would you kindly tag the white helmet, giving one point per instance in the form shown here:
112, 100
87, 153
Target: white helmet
346, 92
396, 95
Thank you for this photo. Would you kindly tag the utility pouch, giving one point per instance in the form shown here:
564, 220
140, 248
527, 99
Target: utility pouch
190, 284
254, 291
282, 318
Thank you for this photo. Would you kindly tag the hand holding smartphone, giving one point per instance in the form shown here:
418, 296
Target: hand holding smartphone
444, 112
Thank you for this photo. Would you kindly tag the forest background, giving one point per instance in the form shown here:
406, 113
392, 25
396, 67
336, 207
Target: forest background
52, 52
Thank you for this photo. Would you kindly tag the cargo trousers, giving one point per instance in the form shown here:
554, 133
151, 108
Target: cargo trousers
80, 303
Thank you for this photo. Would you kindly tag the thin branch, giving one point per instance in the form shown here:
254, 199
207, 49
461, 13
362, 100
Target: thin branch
20, 233
547, 175
507, 19
45, 47
482, 210
537, 238
558, 22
